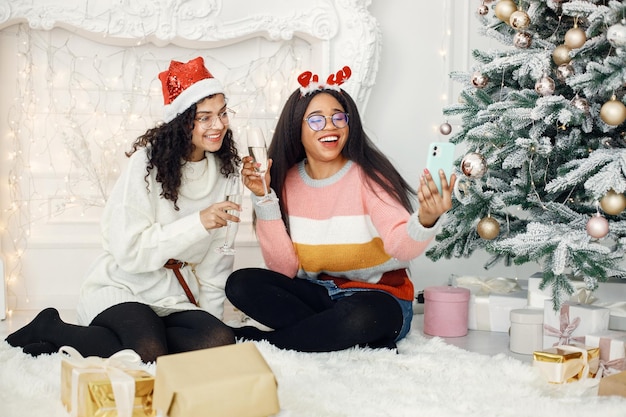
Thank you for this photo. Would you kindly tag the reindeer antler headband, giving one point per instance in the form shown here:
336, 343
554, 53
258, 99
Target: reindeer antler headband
310, 82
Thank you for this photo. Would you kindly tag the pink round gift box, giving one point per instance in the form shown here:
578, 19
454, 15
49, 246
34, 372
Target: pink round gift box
445, 311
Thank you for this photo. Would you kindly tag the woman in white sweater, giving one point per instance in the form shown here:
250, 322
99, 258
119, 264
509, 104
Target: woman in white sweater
158, 287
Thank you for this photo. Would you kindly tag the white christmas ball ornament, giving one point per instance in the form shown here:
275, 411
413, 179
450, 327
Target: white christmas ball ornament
545, 86
580, 103
445, 128
474, 165
479, 80
616, 35
597, 226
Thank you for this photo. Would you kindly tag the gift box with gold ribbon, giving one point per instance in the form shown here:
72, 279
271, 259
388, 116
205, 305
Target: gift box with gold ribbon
491, 301
105, 387
566, 363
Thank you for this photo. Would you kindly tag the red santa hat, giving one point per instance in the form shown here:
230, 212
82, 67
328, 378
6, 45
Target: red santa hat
185, 84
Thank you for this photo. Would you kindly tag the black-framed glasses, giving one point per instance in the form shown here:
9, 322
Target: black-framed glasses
317, 122
208, 121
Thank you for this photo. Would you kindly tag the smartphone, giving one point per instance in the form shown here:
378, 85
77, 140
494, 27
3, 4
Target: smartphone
440, 156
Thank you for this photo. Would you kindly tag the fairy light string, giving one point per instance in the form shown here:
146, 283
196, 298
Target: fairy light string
76, 112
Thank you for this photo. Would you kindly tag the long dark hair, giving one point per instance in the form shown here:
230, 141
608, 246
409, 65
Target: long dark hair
286, 149
169, 147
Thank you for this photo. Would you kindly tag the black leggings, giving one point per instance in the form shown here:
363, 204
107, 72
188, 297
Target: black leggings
304, 317
124, 326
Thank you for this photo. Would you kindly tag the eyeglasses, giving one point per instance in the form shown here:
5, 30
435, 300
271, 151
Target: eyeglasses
207, 122
317, 122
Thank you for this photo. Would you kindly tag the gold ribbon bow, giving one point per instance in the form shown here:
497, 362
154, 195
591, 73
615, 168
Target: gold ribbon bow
123, 385
497, 285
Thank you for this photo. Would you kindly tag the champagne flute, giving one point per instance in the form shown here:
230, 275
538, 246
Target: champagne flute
258, 150
233, 194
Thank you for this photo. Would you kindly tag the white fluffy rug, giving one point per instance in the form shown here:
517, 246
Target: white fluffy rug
426, 378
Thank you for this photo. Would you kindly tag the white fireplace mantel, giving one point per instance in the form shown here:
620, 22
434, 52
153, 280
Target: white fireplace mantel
341, 32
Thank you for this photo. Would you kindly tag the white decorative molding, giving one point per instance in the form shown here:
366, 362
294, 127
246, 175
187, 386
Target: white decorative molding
85, 88
342, 31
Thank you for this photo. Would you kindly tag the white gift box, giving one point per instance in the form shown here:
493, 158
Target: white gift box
537, 297
617, 322
492, 312
572, 322
612, 344
611, 291
491, 302
526, 334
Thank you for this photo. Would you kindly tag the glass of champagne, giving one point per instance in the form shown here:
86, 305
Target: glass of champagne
258, 150
234, 192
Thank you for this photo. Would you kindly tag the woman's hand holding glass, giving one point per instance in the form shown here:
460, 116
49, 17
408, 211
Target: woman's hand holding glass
233, 196
257, 150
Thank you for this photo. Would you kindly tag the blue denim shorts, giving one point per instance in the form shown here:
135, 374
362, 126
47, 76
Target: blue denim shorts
335, 293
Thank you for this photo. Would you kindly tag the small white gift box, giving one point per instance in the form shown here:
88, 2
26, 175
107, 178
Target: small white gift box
491, 302
572, 322
612, 346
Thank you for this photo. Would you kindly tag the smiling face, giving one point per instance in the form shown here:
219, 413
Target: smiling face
324, 147
208, 139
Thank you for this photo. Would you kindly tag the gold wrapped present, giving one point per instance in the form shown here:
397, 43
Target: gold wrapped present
566, 363
111, 387
226, 381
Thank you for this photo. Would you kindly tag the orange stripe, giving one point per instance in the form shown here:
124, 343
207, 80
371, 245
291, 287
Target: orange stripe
344, 257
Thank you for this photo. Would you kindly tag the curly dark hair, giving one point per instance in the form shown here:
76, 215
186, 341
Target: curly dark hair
169, 146
286, 149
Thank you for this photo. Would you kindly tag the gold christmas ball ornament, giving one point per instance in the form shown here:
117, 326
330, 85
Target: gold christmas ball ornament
597, 226
473, 165
504, 9
613, 112
575, 38
522, 40
445, 128
519, 20
560, 55
613, 203
482, 10
479, 80
545, 86
488, 228
616, 35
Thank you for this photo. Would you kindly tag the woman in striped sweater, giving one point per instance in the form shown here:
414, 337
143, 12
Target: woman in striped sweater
338, 240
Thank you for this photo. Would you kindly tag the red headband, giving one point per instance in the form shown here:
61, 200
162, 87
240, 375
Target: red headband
310, 82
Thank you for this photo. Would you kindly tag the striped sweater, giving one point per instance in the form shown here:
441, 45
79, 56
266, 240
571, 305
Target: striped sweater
344, 230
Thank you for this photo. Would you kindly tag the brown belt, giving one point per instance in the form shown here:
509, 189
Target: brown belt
175, 265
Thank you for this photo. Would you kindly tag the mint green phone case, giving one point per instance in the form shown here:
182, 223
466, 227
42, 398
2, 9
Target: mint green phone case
440, 156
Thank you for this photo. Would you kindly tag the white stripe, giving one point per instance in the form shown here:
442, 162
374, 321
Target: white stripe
336, 230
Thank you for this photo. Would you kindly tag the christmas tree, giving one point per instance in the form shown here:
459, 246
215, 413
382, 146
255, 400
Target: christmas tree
542, 120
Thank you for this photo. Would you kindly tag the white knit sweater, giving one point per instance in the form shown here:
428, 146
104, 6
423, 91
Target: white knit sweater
141, 230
